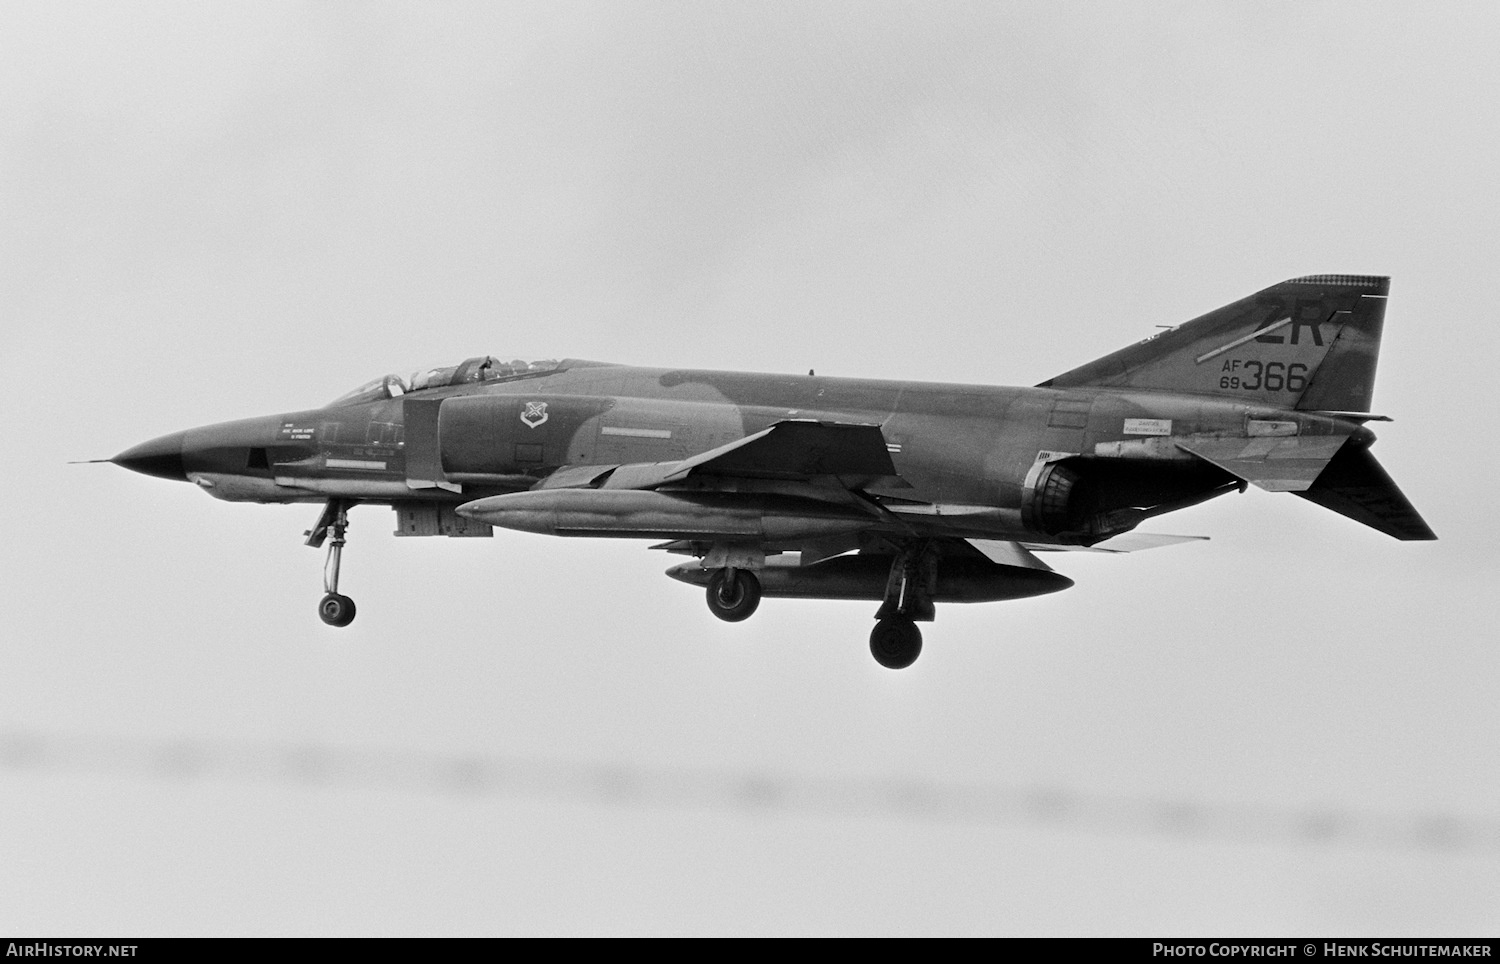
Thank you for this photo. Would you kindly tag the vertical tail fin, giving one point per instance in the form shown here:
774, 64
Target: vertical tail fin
1308, 343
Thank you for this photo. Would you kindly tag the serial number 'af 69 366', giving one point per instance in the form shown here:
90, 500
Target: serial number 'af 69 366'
1265, 376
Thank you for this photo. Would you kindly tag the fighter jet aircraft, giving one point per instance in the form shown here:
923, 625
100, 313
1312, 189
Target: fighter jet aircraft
907, 494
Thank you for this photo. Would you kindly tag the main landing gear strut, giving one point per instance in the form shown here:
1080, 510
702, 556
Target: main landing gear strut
734, 591
733, 587
334, 609
896, 642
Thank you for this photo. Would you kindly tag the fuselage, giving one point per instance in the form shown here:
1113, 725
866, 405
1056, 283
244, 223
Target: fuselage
969, 457
905, 493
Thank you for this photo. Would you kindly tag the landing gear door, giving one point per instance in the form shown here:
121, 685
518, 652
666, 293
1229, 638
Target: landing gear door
424, 464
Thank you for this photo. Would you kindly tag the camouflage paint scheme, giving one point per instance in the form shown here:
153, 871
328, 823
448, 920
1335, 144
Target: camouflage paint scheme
771, 481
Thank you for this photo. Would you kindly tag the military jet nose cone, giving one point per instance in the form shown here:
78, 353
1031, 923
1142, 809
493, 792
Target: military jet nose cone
161, 457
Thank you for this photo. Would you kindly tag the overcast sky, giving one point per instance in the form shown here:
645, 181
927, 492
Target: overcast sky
212, 211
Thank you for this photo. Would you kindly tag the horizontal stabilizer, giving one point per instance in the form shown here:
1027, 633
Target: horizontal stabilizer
1355, 485
1273, 464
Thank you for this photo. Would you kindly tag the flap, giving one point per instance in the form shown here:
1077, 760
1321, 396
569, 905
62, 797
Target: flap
1124, 542
1008, 554
1274, 464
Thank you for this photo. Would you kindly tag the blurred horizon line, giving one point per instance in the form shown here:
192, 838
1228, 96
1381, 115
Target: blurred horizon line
310, 765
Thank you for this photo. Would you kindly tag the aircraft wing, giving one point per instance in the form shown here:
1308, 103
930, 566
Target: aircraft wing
852, 456
799, 449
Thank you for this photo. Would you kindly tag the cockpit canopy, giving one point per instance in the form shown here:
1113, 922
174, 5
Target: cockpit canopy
483, 368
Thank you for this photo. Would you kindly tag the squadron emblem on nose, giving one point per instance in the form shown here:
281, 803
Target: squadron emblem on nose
535, 414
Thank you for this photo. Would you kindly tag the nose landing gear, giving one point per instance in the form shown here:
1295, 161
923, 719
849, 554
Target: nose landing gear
334, 609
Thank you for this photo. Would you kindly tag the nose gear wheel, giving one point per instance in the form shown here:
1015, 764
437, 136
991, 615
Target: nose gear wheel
334, 608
